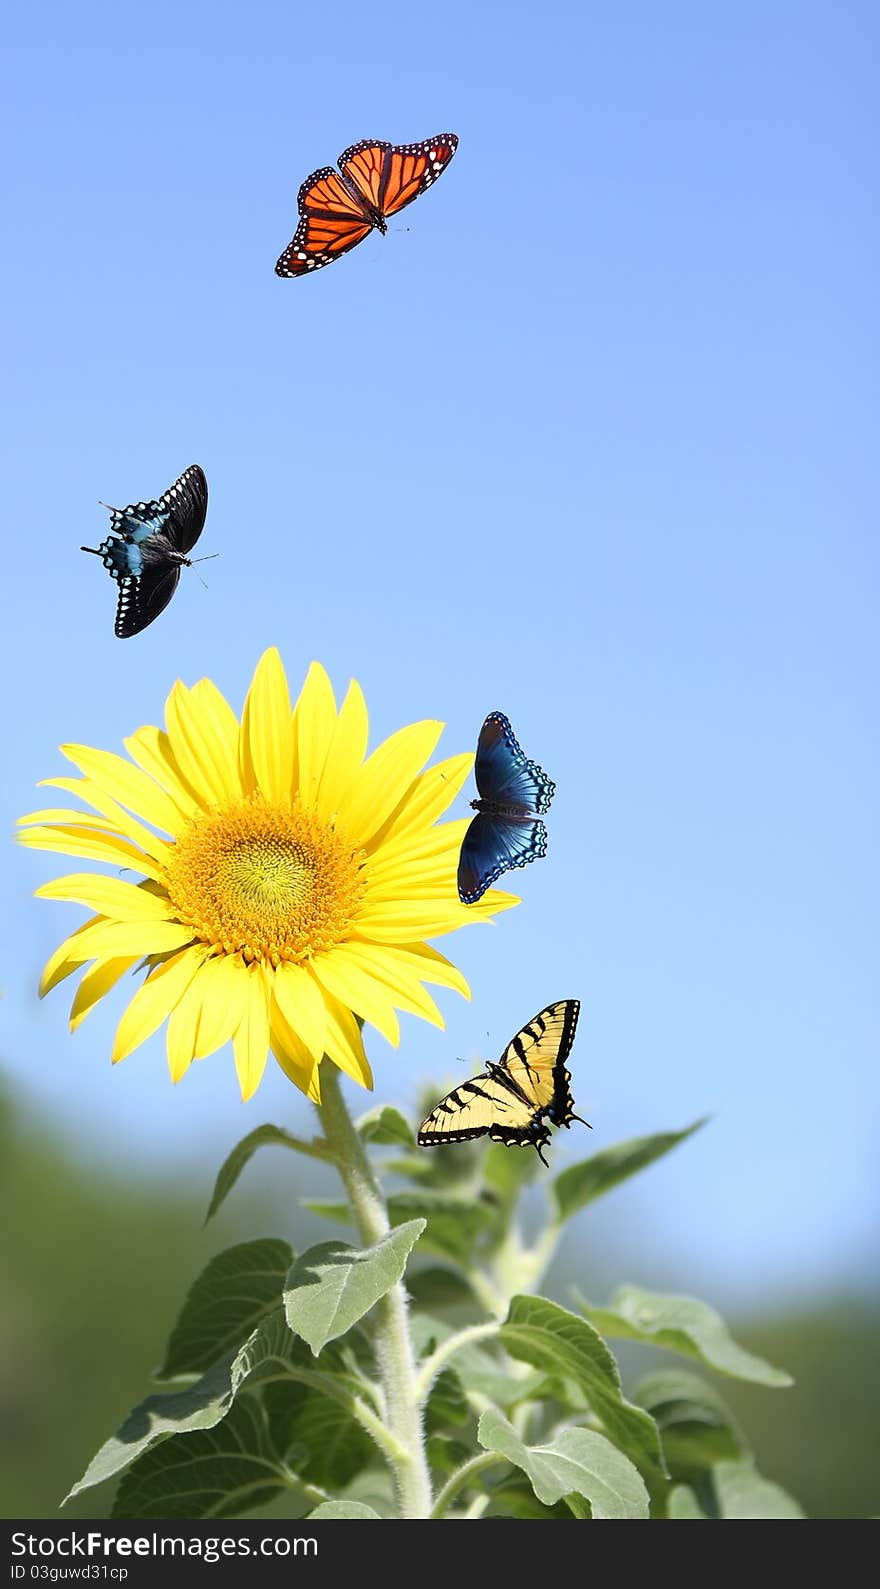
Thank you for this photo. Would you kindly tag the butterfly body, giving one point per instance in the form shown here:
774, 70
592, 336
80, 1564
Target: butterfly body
513, 793
515, 1096
376, 179
148, 545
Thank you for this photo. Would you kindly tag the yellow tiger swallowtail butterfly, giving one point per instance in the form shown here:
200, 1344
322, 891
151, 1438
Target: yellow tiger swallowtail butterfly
514, 1096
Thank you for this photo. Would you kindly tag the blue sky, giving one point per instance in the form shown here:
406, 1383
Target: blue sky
589, 443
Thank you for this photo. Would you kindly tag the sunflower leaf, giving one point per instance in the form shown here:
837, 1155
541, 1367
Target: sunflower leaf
333, 1285
683, 1506
386, 1127
232, 1166
453, 1224
696, 1428
681, 1324
550, 1338
582, 1183
336, 1511
743, 1493
219, 1472
206, 1402
227, 1301
577, 1461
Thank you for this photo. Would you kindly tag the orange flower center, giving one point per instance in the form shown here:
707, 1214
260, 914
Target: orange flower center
272, 883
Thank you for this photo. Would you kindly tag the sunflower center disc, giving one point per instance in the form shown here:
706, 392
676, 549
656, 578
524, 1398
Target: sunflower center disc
269, 882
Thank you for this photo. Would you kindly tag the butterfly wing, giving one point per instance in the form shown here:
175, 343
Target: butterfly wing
333, 219
493, 845
535, 1060
503, 773
390, 176
183, 508
143, 596
485, 1106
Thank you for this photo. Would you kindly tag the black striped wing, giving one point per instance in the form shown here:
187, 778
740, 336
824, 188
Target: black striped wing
485, 1106
534, 1060
510, 1101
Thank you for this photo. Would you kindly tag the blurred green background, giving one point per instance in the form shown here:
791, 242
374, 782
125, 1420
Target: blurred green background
94, 1265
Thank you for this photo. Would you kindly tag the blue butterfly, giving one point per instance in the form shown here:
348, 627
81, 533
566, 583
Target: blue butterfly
514, 793
153, 540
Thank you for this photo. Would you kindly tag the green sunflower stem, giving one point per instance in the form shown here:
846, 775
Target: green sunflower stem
394, 1351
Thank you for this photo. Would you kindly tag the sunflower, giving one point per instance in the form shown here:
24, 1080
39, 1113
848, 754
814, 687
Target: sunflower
287, 884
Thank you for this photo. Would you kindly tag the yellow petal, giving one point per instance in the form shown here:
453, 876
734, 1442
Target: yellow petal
404, 922
266, 743
203, 1019
429, 965
91, 846
418, 850
110, 896
345, 1044
428, 797
359, 992
106, 940
66, 959
97, 981
150, 747
87, 789
302, 1004
221, 987
127, 784
155, 999
395, 975
345, 752
385, 777
203, 732
293, 1056
61, 814
251, 1040
314, 723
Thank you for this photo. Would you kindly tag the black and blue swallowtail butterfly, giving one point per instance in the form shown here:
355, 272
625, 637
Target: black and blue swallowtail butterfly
148, 546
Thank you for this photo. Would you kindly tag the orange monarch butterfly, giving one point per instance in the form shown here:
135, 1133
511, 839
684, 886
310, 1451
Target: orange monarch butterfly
378, 179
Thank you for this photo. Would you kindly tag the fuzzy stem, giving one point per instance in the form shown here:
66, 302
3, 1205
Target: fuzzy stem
462, 1478
394, 1353
432, 1365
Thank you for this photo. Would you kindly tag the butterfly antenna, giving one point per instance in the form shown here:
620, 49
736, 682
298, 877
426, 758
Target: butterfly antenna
203, 560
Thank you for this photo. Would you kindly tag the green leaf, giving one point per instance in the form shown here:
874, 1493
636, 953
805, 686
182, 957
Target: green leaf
506, 1170
447, 1403
386, 1126
337, 1510
227, 1301
696, 1428
514, 1497
318, 1437
682, 1324
218, 1472
549, 1337
582, 1183
201, 1405
333, 1285
436, 1287
478, 1369
231, 1168
683, 1505
447, 1454
578, 1461
743, 1493
453, 1224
